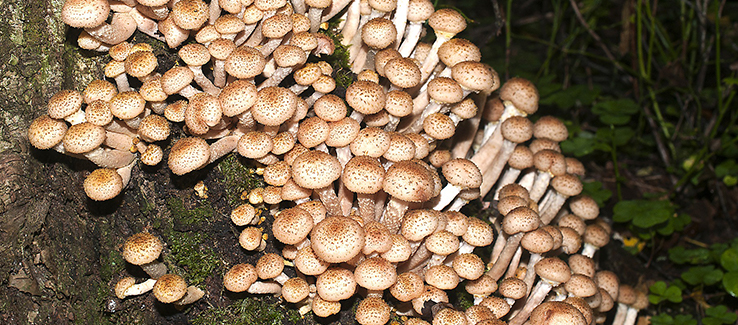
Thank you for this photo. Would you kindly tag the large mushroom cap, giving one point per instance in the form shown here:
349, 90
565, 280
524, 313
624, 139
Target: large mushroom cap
188, 154
103, 184
46, 132
409, 181
170, 288
142, 248
337, 239
85, 13
315, 169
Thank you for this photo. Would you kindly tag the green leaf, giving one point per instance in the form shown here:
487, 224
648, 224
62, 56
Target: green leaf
729, 259
684, 320
662, 319
730, 282
707, 275
721, 314
615, 112
596, 192
578, 146
681, 255
673, 294
730, 81
644, 214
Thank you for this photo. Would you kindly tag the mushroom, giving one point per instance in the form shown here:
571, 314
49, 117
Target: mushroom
143, 249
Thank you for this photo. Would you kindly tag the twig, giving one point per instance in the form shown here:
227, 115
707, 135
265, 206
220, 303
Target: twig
594, 35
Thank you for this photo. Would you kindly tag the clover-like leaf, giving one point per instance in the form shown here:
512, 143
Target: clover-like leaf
644, 214
615, 112
681, 255
720, 315
729, 259
730, 282
707, 275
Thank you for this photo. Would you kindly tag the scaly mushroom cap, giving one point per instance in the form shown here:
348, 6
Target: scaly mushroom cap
447, 22
292, 225
408, 286
46, 132
476, 76
462, 173
83, 137
458, 50
295, 290
142, 248
188, 154
522, 93
189, 14
553, 270
170, 288
64, 103
366, 97
240, 277
409, 181
372, 311
549, 127
245, 62
363, 174
468, 266
274, 106
378, 33
103, 184
336, 284
375, 273
315, 169
337, 239
85, 13
402, 72
556, 313
127, 105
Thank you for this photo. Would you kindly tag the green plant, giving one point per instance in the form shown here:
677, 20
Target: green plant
650, 218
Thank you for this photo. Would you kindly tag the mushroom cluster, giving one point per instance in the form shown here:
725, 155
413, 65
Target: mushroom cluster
366, 188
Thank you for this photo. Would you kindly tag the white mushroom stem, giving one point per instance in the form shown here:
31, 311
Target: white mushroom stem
193, 294
223, 146
400, 20
506, 255
330, 200
366, 206
551, 205
537, 295
109, 158
508, 177
527, 180
530, 274
203, 81
589, 250
336, 7
448, 193
268, 287
314, 16
540, 184
351, 26
493, 170
621, 314
393, 213
514, 263
146, 25
121, 27
140, 288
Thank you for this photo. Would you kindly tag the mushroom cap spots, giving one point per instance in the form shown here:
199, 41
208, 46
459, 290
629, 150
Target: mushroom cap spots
514, 189
315, 169
550, 161
375, 273
378, 33
580, 264
399, 103
250, 238
419, 10
303, 39
229, 24
417, 224
103, 184
508, 203
141, 248
308, 263
46, 132
363, 174
449, 316
336, 284
458, 50
476, 76
596, 235
371, 141
274, 106
442, 277
127, 105
462, 173
276, 26
442, 243
85, 13
269, 266
468, 266
465, 109
409, 181
83, 137
372, 311
553, 269
194, 54
240, 277
295, 290
584, 207
292, 225
402, 72
537, 241
513, 288
445, 90
401, 148
521, 158
555, 313
366, 97
341, 133
64, 103
447, 22
483, 286
439, 126
245, 62
567, 185
549, 127
517, 129
478, 233
189, 14
520, 219
221, 48
323, 308
140, 63
312, 131
188, 154
170, 288
277, 174
176, 79
237, 97
99, 90
154, 128
522, 93
289, 56
330, 108
408, 286
308, 74
337, 239
254, 144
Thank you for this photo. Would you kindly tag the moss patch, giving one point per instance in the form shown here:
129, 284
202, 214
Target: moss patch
239, 175
190, 257
249, 311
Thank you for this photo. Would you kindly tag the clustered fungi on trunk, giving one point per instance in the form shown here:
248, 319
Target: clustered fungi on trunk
358, 198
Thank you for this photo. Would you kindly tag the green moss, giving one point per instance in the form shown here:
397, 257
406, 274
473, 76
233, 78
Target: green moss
248, 311
190, 215
339, 60
190, 257
237, 178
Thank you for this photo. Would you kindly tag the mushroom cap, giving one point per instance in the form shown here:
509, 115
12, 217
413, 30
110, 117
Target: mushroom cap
445, 90
170, 288
176, 79
517, 129
237, 97
408, 286
336, 284
269, 266
449, 316
400, 250
295, 290
549, 127
315, 169
254, 144
83, 137
458, 50
188, 154
399, 103
154, 128
439, 126
442, 243
401, 148
556, 313
189, 14
308, 263
608, 281
330, 108
581, 264
567, 185
482, 286
476, 76
142, 248
312, 131
337, 239
550, 161
520, 219
465, 109
250, 238
103, 184
581, 286
442, 277
402, 72
514, 189
419, 223
99, 90
366, 97
553, 270
127, 105
521, 158
584, 207
468, 266
289, 56
245, 62
462, 172
522, 93
46, 132
509, 203
378, 33
64, 103
537, 241
240, 277
85, 13
341, 133
370, 141
419, 10
372, 311
141, 63
292, 225
447, 22
596, 235
221, 48
274, 106
409, 181
375, 273
513, 288
277, 174
363, 174
323, 308
194, 54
